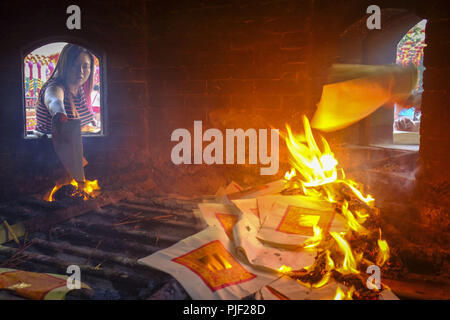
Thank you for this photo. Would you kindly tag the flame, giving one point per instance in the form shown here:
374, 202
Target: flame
383, 253
315, 240
316, 167
50, 197
88, 188
329, 268
315, 172
360, 217
341, 295
349, 263
285, 269
351, 221
368, 200
288, 175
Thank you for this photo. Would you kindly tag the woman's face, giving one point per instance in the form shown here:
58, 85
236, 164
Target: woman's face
80, 70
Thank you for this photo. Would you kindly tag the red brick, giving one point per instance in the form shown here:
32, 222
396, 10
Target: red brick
436, 105
435, 78
295, 39
278, 87
435, 54
125, 94
194, 86
437, 30
256, 101
164, 101
126, 74
230, 87
294, 101
253, 37
215, 71
127, 57
257, 71
273, 54
207, 102
290, 23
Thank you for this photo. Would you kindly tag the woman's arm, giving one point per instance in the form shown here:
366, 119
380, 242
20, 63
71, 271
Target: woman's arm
54, 100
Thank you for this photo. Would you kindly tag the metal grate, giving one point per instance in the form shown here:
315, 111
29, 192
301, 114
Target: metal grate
105, 243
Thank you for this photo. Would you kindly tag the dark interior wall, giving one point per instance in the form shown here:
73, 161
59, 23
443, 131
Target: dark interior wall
116, 30
231, 64
434, 177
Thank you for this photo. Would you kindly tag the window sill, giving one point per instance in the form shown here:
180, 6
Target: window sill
406, 138
49, 136
406, 147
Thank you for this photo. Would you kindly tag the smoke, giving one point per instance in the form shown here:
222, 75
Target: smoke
390, 176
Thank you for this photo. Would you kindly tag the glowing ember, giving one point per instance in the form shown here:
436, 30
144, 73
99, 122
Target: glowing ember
284, 269
88, 188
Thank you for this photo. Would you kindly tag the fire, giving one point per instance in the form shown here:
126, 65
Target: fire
352, 222
349, 263
288, 176
316, 167
383, 254
341, 295
88, 187
315, 240
285, 269
315, 174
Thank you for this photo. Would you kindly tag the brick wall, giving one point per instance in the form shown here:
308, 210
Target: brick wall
116, 29
434, 177
231, 64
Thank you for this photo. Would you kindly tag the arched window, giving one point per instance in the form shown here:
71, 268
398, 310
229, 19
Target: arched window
360, 45
39, 66
410, 50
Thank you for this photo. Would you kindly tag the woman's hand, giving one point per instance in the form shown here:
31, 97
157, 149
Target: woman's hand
60, 117
406, 124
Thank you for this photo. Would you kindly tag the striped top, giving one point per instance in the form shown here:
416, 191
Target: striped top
44, 118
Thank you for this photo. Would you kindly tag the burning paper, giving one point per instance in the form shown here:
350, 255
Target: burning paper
242, 228
261, 256
205, 266
316, 227
286, 288
291, 221
342, 256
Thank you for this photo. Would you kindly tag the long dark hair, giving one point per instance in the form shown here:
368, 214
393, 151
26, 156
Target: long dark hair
67, 57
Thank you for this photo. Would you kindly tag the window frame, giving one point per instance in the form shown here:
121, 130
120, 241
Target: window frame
101, 56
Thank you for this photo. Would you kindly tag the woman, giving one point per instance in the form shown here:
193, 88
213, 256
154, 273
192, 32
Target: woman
64, 94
